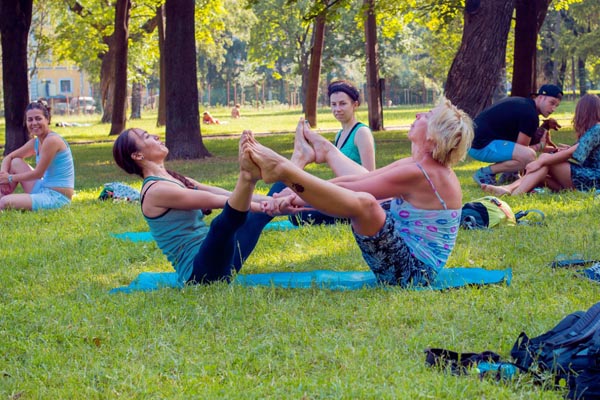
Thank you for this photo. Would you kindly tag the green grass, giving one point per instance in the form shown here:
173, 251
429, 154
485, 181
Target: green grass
271, 120
268, 120
64, 337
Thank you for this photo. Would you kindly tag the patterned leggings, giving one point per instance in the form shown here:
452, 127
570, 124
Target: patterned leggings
390, 259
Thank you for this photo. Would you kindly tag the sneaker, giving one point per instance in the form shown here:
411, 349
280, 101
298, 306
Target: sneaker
481, 178
508, 177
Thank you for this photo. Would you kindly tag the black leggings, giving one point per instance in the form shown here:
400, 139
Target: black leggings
230, 240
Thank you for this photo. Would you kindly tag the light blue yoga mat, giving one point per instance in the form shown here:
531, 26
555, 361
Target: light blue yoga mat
284, 225
326, 279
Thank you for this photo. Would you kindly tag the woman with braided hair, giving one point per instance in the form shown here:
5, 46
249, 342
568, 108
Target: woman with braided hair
174, 207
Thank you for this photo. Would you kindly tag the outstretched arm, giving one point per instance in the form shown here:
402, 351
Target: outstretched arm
223, 192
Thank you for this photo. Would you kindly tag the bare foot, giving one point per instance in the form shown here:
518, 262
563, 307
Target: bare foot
303, 152
319, 144
248, 169
496, 190
271, 164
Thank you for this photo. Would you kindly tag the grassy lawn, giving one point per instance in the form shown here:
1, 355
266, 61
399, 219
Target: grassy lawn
65, 337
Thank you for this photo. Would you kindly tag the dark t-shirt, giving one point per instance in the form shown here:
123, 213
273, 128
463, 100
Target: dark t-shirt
504, 120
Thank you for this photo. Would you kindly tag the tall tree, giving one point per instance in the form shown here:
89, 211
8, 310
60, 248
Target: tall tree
314, 72
161, 120
372, 62
281, 39
85, 35
15, 20
121, 36
473, 76
183, 136
530, 16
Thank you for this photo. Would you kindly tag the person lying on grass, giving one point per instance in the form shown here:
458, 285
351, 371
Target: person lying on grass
409, 243
577, 167
51, 183
173, 206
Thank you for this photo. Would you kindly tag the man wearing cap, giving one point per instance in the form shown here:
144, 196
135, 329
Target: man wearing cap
504, 132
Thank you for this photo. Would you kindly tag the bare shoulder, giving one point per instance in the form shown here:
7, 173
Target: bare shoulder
54, 142
364, 130
162, 187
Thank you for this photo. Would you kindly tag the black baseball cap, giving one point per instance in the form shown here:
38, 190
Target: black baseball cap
550, 90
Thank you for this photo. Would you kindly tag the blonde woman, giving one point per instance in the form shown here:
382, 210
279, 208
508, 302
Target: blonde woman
409, 243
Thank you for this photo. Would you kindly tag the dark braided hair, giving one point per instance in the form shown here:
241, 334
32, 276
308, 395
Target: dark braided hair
125, 146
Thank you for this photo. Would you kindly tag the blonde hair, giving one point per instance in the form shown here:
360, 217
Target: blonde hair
451, 129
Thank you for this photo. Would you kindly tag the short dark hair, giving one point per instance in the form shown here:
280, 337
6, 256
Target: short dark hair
345, 87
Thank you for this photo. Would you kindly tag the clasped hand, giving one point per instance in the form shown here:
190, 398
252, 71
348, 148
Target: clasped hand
283, 204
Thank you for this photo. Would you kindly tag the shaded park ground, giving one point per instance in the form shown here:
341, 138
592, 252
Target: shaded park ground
65, 336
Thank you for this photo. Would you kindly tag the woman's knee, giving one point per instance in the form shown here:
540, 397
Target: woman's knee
367, 202
18, 165
369, 208
370, 217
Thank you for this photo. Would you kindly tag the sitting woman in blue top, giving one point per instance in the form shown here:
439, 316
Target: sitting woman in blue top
174, 207
411, 241
577, 167
354, 140
51, 183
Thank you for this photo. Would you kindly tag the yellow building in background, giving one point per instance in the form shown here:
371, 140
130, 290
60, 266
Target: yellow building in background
61, 86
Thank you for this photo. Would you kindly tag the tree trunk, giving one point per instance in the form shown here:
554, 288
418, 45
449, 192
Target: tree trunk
107, 82
304, 63
136, 101
183, 137
121, 36
162, 98
312, 90
473, 76
562, 72
373, 90
550, 44
15, 20
582, 75
530, 16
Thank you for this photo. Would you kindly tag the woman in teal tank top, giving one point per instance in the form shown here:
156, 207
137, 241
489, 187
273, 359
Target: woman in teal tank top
174, 207
354, 140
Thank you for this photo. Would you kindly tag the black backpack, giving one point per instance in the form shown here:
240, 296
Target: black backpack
489, 211
569, 352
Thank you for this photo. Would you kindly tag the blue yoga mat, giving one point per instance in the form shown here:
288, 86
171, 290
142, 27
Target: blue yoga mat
284, 225
325, 279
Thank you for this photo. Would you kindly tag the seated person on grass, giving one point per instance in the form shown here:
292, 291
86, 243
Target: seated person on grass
235, 112
409, 243
174, 207
354, 141
504, 132
52, 182
577, 167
